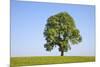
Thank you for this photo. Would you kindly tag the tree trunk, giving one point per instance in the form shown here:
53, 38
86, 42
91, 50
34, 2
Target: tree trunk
62, 53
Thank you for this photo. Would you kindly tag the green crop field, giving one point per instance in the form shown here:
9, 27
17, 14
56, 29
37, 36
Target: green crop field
40, 60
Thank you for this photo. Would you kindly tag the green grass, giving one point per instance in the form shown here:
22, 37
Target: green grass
40, 60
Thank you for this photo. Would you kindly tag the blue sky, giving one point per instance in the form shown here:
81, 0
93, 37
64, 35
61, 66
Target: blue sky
28, 20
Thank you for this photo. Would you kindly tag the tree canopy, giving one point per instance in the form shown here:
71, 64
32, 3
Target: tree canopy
61, 31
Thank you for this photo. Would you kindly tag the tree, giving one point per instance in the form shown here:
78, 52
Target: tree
61, 31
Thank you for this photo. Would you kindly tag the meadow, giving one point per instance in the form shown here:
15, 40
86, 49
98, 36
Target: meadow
41, 60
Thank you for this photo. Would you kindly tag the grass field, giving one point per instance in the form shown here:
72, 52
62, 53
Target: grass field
40, 60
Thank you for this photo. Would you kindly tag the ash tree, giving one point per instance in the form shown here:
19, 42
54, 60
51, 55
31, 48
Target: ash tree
61, 31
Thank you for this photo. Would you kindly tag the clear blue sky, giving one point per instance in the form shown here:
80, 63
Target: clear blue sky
28, 20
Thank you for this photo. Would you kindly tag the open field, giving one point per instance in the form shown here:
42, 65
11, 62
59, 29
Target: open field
40, 60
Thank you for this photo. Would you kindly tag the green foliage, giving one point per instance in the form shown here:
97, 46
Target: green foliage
61, 31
